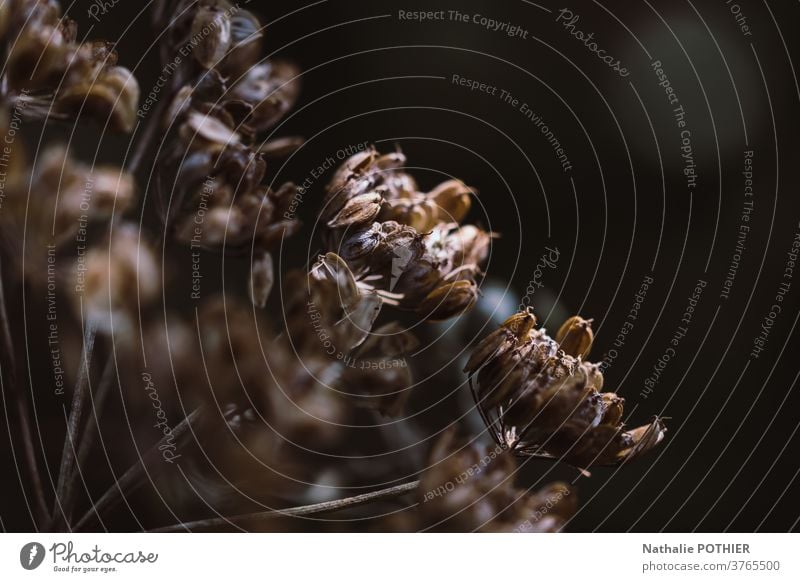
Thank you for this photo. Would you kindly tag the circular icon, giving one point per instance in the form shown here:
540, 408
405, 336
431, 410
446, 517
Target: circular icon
31, 555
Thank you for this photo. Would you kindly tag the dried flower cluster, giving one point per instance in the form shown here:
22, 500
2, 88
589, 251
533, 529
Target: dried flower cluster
406, 245
538, 397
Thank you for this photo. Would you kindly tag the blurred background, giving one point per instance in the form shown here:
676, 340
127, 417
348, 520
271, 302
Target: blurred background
619, 212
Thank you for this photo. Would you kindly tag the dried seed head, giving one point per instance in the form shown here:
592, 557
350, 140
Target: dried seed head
539, 400
575, 336
406, 245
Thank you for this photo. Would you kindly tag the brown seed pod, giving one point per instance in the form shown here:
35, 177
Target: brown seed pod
575, 336
212, 28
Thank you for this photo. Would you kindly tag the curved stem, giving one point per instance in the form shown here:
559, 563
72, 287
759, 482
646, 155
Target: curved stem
9, 367
65, 472
132, 478
299, 511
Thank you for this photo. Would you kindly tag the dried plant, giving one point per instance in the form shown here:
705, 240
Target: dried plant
538, 397
282, 404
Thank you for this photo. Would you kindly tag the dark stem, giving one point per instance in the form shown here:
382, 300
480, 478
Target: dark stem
299, 511
132, 479
149, 133
9, 366
98, 401
65, 472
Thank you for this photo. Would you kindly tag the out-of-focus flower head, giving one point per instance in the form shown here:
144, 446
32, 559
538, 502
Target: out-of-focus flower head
51, 75
469, 487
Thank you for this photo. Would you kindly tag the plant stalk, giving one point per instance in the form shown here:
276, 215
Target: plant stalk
299, 511
131, 480
9, 366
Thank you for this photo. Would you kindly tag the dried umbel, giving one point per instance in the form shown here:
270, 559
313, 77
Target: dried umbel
538, 400
53, 75
406, 245
468, 487
295, 395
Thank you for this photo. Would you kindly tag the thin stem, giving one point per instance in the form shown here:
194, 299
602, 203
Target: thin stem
98, 402
65, 472
9, 365
132, 479
299, 511
146, 139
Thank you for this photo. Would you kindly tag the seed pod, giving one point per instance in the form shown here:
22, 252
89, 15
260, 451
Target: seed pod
212, 28
358, 210
575, 336
448, 300
452, 200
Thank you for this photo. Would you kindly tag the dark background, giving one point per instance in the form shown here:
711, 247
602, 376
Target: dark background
730, 458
